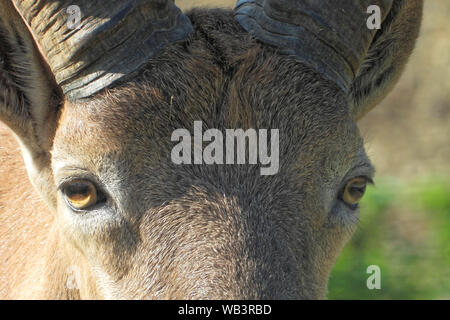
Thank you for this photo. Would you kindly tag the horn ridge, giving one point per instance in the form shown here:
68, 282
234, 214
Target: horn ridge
331, 36
115, 38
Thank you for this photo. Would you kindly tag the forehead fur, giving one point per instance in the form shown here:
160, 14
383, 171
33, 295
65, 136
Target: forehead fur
221, 82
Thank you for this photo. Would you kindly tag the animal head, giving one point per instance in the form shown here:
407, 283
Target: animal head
94, 108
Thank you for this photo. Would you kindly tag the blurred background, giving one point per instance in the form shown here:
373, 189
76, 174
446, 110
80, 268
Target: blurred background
405, 218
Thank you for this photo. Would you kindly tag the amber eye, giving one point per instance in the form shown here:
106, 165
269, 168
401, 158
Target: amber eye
81, 194
354, 191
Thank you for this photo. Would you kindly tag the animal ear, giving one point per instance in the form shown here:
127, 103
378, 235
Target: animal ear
29, 96
387, 56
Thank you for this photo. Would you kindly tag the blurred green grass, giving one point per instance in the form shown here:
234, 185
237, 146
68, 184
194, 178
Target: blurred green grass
405, 230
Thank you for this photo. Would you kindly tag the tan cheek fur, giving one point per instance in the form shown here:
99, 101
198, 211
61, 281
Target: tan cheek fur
24, 220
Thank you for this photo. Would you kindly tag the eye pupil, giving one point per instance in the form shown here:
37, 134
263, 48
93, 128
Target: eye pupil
80, 194
357, 190
354, 191
77, 190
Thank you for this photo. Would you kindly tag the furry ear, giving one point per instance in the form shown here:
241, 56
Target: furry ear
387, 56
29, 96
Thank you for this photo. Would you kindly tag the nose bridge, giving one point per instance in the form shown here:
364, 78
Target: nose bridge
272, 253
247, 253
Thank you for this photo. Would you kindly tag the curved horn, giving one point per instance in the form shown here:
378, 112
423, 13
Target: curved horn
114, 38
329, 35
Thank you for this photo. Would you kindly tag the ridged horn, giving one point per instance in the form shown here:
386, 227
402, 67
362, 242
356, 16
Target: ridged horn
114, 38
330, 36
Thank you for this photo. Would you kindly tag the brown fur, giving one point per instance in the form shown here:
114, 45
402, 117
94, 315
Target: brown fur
189, 231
